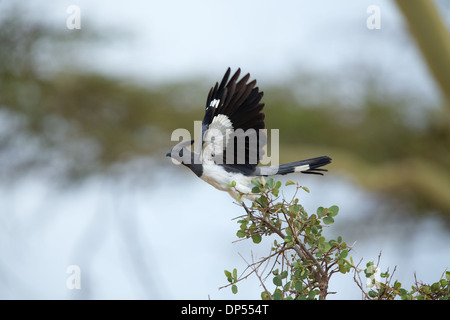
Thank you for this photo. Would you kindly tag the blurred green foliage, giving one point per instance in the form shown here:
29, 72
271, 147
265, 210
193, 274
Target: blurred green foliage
428, 30
74, 123
376, 143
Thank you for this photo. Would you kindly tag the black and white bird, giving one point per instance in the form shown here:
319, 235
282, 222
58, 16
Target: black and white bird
233, 138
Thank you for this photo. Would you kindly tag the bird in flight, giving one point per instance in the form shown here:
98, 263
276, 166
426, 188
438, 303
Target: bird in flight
232, 140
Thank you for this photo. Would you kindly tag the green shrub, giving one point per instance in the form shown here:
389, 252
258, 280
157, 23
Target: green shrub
302, 261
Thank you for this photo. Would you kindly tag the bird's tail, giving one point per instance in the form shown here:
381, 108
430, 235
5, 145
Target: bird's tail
310, 166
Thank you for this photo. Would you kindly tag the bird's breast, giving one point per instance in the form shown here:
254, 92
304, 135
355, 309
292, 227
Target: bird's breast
219, 178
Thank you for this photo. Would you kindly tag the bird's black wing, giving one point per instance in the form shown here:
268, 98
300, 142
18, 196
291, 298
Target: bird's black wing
232, 123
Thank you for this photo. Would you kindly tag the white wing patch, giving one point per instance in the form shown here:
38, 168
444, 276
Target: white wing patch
216, 138
301, 168
221, 122
214, 103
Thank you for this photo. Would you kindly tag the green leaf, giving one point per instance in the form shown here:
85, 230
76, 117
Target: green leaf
277, 281
234, 274
263, 181
298, 286
278, 185
404, 294
306, 189
240, 234
343, 254
265, 295
320, 211
435, 286
278, 295
227, 273
311, 295
234, 289
256, 190
290, 182
343, 269
256, 182
263, 201
288, 231
270, 183
325, 247
288, 239
333, 211
232, 184
275, 192
303, 274
328, 220
256, 238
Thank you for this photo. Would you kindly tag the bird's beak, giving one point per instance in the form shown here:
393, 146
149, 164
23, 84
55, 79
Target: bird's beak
168, 153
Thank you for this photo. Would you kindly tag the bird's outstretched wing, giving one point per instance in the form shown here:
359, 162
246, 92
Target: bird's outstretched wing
231, 126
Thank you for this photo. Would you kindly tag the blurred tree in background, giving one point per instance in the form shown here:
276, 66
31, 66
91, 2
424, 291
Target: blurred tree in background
69, 123
73, 122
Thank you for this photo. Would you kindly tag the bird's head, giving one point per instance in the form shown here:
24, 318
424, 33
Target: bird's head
181, 153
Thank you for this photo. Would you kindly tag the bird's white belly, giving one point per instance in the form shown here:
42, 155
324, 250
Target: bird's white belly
219, 178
